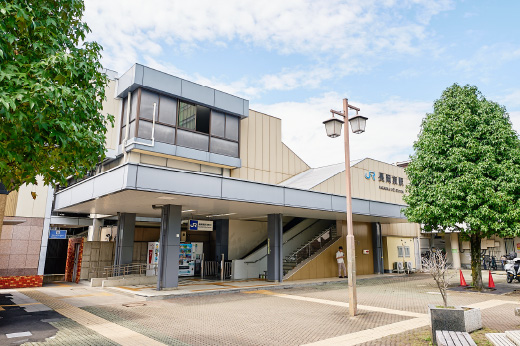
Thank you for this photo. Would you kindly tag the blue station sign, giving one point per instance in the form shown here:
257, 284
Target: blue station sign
57, 234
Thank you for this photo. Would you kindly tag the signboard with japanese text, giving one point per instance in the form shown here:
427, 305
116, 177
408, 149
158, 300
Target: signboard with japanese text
57, 234
200, 225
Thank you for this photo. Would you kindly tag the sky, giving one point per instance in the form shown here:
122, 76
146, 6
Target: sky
296, 60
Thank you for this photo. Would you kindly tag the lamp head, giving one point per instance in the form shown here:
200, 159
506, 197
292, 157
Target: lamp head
333, 127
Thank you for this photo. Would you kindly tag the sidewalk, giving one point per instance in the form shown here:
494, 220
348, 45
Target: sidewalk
392, 310
197, 286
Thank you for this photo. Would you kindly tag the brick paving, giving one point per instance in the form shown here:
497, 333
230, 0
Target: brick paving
292, 316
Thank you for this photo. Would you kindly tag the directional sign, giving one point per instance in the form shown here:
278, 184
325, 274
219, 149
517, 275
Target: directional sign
58, 234
201, 225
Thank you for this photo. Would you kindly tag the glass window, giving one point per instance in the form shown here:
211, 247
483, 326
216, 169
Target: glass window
165, 134
221, 146
133, 106
145, 129
187, 114
202, 122
218, 121
399, 251
192, 140
232, 127
406, 251
148, 98
168, 110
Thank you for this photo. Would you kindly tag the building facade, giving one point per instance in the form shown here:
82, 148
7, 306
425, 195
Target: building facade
181, 154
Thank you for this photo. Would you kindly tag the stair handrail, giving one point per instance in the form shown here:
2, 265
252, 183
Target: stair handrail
331, 229
285, 242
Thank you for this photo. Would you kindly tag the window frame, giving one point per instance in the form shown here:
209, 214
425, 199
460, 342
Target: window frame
176, 126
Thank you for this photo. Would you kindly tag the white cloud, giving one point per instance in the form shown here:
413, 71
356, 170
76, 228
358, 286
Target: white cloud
489, 58
392, 128
338, 29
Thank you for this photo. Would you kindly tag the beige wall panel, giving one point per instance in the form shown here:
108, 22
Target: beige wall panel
184, 165
265, 177
12, 201
285, 152
258, 141
211, 169
272, 144
279, 147
251, 141
279, 177
292, 163
153, 160
250, 174
29, 207
112, 106
258, 175
272, 178
391, 251
244, 236
244, 124
265, 143
323, 266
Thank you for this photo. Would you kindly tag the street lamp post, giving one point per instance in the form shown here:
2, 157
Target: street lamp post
333, 128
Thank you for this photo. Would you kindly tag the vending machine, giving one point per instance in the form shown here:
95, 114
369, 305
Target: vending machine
186, 262
196, 251
152, 258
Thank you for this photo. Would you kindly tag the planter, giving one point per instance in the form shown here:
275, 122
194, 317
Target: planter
458, 319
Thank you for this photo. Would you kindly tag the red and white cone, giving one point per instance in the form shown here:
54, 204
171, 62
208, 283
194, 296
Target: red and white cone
491, 282
462, 281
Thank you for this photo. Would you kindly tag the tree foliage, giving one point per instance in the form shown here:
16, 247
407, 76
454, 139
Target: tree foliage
465, 170
51, 93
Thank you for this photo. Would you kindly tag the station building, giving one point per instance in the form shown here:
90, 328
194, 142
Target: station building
191, 166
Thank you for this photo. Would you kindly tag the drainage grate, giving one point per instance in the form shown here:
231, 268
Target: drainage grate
133, 305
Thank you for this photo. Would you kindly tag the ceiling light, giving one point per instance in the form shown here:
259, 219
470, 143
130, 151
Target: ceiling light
166, 197
187, 211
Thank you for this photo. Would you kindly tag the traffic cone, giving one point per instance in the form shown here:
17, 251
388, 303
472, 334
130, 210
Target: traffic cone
462, 281
491, 282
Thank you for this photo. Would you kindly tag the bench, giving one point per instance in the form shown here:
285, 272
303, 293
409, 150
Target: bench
448, 337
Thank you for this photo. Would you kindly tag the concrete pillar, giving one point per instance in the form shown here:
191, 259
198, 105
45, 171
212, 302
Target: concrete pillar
455, 250
274, 247
169, 247
125, 239
222, 239
377, 248
94, 231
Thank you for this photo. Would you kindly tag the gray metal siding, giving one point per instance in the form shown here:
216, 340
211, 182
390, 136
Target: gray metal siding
140, 75
253, 192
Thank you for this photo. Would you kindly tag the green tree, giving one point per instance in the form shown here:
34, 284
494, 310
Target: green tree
465, 171
51, 93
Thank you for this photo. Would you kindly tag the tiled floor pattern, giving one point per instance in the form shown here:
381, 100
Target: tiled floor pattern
109, 330
389, 308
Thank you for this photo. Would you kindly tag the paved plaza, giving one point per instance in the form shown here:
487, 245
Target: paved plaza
392, 311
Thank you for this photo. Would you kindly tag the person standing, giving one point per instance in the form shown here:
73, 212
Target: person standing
340, 257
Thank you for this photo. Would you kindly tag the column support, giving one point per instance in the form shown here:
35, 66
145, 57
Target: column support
377, 247
124, 239
274, 248
169, 247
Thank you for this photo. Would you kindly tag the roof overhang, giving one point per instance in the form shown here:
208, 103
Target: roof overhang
135, 188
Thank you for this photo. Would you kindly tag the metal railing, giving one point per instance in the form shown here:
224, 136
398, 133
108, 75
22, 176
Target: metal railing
312, 246
285, 242
120, 270
220, 269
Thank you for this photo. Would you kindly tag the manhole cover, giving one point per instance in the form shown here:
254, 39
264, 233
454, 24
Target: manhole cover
133, 305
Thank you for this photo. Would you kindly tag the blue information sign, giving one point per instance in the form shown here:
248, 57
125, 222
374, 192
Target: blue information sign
57, 234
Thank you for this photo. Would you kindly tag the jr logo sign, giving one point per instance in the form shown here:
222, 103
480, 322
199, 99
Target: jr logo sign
370, 175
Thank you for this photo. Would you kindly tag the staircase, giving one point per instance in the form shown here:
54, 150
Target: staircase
309, 248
